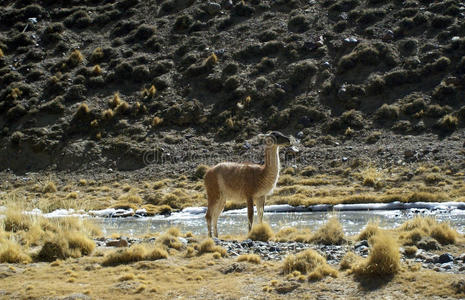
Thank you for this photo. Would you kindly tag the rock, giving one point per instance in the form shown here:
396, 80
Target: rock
447, 266
360, 244
235, 267
388, 36
428, 244
213, 8
183, 240
117, 243
461, 257
445, 258
286, 287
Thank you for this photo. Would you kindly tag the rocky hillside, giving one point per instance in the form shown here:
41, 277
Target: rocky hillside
91, 82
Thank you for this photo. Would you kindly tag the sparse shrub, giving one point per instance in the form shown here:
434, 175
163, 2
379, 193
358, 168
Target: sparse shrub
108, 114
156, 121
384, 257
410, 251
414, 230
64, 245
387, 112
251, 258
308, 262
82, 110
75, 58
11, 252
349, 260
448, 123
15, 221
211, 60
261, 232
371, 229
49, 187
133, 254
97, 70
330, 233
97, 55
150, 92
200, 171
292, 234
208, 246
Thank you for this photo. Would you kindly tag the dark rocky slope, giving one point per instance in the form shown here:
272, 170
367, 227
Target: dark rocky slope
194, 73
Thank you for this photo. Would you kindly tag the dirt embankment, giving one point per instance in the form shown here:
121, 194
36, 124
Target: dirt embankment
88, 84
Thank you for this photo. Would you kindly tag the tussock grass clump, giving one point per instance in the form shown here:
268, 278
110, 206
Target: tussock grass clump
330, 233
156, 121
349, 260
308, 262
82, 110
251, 258
208, 246
448, 123
287, 234
16, 221
66, 244
413, 230
133, 254
49, 187
11, 252
371, 229
384, 257
75, 58
426, 197
261, 232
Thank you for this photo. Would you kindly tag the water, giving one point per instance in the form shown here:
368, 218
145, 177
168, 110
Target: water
235, 222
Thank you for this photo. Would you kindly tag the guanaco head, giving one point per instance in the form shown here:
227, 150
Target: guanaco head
276, 138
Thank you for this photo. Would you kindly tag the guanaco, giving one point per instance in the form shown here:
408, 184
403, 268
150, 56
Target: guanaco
244, 181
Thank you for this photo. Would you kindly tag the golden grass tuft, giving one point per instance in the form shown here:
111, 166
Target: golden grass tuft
261, 232
49, 187
208, 246
115, 101
108, 114
11, 252
410, 250
16, 221
413, 230
330, 233
156, 121
1, 53
370, 230
251, 258
66, 244
83, 110
308, 262
287, 234
134, 253
200, 171
211, 60
349, 260
384, 257
75, 58
97, 70
127, 277
150, 92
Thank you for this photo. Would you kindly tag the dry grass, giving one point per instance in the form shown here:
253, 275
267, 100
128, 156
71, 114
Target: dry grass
330, 233
49, 187
134, 253
308, 262
208, 246
11, 252
261, 232
413, 230
251, 258
349, 260
287, 234
384, 257
55, 238
369, 230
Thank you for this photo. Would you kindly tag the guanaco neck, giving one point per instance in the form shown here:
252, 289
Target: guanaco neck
272, 164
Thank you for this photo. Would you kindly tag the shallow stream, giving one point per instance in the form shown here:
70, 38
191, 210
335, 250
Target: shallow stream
235, 222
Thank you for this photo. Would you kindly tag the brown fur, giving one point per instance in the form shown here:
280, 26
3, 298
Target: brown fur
249, 182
